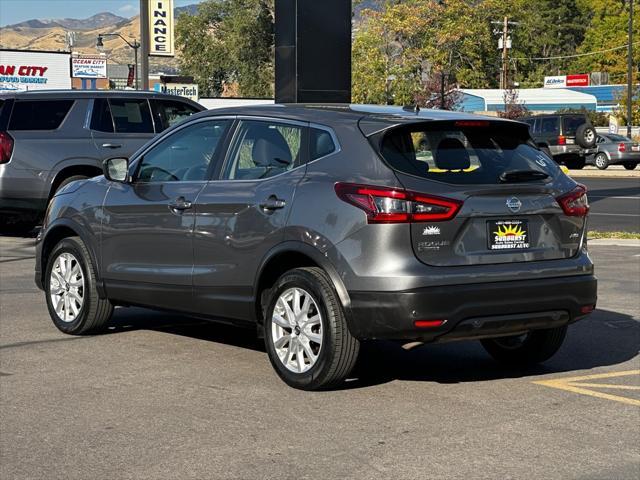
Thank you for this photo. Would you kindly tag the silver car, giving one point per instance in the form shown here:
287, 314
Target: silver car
616, 149
324, 226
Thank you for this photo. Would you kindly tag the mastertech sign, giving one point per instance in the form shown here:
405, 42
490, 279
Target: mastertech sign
22, 70
567, 81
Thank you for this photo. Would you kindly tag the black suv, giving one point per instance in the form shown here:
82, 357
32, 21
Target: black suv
568, 138
50, 138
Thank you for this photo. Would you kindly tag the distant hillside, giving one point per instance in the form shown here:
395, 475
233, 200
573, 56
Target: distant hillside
99, 20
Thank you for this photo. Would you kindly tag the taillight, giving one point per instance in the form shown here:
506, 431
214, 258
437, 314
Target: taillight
622, 147
392, 205
6, 147
575, 203
562, 140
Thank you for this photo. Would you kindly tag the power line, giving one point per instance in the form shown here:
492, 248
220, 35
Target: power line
576, 55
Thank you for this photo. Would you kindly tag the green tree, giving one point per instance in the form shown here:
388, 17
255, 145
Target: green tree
621, 110
228, 43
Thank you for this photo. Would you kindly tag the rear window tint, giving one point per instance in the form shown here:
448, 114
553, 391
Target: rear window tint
39, 115
617, 138
131, 116
101, 118
473, 155
320, 143
549, 125
571, 124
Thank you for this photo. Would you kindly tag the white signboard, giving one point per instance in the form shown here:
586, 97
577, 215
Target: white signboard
559, 81
188, 90
89, 67
161, 28
23, 70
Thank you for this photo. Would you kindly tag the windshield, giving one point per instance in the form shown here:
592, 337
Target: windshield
467, 155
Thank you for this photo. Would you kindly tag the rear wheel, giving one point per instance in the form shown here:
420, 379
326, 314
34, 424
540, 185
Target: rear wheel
305, 331
70, 286
528, 349
601, 161
630, 166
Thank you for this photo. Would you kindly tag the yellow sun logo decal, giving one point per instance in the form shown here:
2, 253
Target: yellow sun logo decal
509, 231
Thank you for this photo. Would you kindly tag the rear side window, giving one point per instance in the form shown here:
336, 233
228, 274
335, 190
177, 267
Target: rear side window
320, 143
131, 115
101, 118
549, 125
466, 155
39, 115
571, 124
170, 112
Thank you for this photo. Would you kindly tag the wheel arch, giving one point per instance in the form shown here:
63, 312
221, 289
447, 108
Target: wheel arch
84, 169
289, 255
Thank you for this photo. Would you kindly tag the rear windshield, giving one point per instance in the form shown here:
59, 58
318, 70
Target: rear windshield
464, 155
571, 124
39, 114
617, 138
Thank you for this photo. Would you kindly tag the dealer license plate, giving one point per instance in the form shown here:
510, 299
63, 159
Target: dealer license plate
508, 234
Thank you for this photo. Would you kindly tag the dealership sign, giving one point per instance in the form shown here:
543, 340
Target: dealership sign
161, 28
187, 90
89, 66
23, 70
567, 81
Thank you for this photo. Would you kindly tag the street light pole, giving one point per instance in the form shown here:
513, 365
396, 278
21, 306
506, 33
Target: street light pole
144, 40
135, 45
630, 71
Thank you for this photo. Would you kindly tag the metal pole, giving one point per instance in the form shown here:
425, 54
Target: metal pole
442, 90
135, 54
144, 43
505, 35
630, 71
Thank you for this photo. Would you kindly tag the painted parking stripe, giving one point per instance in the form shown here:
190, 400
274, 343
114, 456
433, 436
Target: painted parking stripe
580, 384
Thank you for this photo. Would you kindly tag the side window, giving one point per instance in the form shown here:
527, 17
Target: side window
264, 149
39, 115
320, 143
131, 115
550, 125
184, 155
101, 120
169, 112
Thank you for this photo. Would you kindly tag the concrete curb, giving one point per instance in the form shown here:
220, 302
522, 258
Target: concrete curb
615, 171
618, 242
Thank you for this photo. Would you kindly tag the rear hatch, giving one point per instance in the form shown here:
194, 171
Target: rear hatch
485, 193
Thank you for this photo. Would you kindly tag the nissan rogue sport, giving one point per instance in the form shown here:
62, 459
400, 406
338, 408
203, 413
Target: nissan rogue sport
326, 226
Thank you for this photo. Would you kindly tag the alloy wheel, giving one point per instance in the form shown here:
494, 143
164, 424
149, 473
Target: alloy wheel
66, 287
296, 330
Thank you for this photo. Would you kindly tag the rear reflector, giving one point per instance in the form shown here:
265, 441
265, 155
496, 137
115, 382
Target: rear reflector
428, 323
587, 308
393, 205
575, 203
6, 147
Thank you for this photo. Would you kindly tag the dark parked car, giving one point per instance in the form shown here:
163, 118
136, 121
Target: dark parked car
326, 226
568, 137
616, 149
51, 138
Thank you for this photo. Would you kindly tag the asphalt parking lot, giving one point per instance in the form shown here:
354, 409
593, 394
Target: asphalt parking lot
168, 397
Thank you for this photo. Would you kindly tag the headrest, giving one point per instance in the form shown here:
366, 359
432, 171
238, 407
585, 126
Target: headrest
270, 149
452, 155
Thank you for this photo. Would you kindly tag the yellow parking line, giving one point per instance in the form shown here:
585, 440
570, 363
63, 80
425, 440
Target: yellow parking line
573, 384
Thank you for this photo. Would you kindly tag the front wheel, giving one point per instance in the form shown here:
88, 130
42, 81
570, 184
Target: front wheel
528, 349
70, 289
305, 331
601, 161
630, 166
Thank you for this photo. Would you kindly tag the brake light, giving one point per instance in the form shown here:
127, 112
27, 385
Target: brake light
472, 123
392, 205
562, 140
6, 147
428, 323
622, 147
575, 203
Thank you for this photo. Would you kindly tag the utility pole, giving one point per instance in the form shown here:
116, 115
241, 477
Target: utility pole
630, 71
144, 43
505, 53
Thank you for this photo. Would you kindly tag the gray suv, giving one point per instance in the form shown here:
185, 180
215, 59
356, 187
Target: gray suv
51, 138
326, 226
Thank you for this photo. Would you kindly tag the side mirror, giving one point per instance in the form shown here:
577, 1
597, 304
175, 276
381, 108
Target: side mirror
116, 169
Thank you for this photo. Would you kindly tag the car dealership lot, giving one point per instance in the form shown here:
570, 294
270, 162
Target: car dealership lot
162, 396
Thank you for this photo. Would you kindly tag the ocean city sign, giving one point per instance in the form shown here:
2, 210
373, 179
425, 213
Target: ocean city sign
161, 28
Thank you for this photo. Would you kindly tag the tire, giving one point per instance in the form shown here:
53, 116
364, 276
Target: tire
630, 166
576, 163
68, 180
75, 317
523, 351
601, 161
586, 136
329, 339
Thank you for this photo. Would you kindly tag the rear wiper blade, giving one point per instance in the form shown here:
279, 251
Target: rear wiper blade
513, 176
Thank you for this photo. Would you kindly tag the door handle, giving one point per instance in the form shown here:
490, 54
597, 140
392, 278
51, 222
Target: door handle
111, 145
180, 204
272, 203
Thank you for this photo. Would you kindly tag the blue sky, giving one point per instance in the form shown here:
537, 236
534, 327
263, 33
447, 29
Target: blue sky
16, 11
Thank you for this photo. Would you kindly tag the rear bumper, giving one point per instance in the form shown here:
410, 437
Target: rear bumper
471, 311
